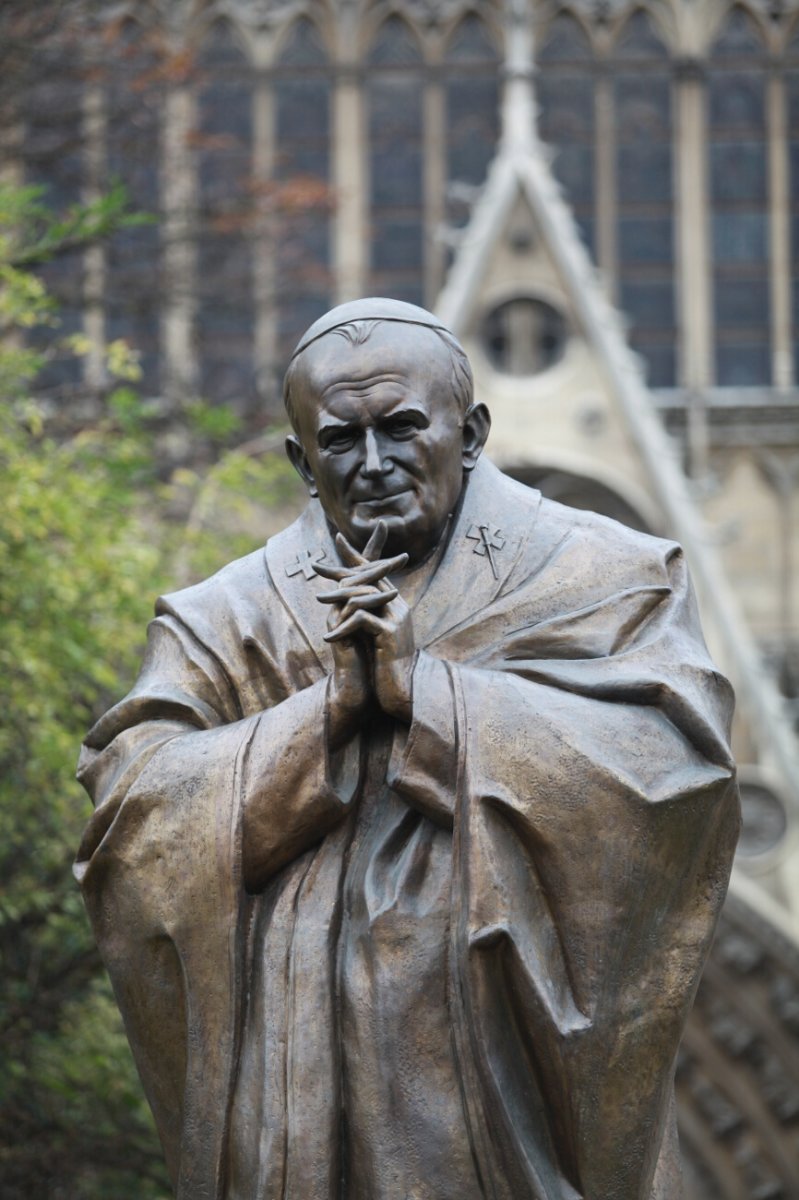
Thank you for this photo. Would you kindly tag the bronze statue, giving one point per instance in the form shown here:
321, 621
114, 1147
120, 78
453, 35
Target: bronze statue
411, 836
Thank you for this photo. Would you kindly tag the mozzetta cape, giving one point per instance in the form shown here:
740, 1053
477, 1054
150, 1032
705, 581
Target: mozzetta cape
571, 730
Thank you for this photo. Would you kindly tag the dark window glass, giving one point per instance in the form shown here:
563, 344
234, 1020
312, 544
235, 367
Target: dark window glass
471, 43
643, 106
471, 93
395, 103
396, 122
53, 156
394, 46
303, 47
741, 304
642, 97
133, 103
739, 238
472, 126
737, 170
565, 93
660, 361
225, 313
639, 39
302, 115
396, 245
739, 39
646, 240
644, 175
737, 101
652, 302
792, 96
576, 173
565, 41
742, 365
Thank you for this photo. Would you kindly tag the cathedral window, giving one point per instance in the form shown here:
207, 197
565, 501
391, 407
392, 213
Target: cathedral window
738, 173
53, 154
472, 111
644, 190
792, 87
395, 98
567, 123
302, 93
132, 104
224, 329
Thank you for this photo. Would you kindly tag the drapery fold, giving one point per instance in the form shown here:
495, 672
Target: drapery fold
568, 728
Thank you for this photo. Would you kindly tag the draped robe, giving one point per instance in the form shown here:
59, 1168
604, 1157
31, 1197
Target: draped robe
569, 783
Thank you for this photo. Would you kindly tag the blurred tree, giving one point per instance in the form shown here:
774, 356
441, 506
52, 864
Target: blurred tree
87, 532
76, 568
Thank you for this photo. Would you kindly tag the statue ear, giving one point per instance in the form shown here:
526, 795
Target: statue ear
476, 425
299, 461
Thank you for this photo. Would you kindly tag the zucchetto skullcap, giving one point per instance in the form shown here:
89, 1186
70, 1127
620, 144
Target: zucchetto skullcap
372, 308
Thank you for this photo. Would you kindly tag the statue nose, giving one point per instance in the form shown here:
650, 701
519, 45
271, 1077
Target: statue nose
373, 463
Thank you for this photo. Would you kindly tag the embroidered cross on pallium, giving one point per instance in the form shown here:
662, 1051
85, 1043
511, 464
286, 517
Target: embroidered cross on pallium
488, 540
305, 563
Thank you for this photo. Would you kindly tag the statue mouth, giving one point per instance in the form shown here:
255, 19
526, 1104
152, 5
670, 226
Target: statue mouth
376, 501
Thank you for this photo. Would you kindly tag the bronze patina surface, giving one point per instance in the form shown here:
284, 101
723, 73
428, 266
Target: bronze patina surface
411, 837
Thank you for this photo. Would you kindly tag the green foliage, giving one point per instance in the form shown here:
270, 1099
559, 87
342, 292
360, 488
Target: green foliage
89, 535
34, 235
226, 518
86, 534
78, 566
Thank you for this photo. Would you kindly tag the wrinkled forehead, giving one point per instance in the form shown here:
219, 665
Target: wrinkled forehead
412, 355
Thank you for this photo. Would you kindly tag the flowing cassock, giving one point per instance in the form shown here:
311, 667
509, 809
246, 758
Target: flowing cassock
571, 799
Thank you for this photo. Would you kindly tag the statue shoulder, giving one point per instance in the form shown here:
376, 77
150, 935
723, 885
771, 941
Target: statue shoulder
225, 593
605, 545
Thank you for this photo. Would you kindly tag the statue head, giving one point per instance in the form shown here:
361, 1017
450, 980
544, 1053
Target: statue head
380, 396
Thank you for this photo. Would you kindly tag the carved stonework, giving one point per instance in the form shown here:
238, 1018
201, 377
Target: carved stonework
738, 1070
262, 14
432, 12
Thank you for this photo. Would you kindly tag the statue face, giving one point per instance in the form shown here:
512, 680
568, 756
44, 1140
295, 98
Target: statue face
382, 437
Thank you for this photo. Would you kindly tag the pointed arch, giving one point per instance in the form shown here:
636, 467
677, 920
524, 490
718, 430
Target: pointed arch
302, 45
567, 114
222, 46
395, 100
225, 313
739, 35
566, 40
738, 174
471, 41
644, 167
639, 38
394, 44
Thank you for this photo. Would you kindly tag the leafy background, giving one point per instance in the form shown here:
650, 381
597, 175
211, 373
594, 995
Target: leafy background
94, 525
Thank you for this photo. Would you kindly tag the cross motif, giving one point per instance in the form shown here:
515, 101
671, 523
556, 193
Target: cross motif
488, 539
305, 562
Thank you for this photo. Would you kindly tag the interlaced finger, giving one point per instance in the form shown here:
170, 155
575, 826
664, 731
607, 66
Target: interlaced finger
367, 602
357, 577
342, 595
359, 620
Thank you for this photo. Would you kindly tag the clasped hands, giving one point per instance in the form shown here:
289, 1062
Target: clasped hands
371, 633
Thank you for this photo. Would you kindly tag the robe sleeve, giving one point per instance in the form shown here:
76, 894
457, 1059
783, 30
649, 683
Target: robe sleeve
595, 822
172, 770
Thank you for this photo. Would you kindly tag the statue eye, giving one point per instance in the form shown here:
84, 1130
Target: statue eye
340, 442
402, 428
